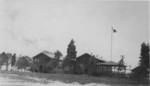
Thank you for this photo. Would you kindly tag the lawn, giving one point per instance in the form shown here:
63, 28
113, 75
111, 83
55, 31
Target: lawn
82, 79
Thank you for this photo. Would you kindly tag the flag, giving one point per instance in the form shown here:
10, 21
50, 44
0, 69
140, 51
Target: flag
113, 30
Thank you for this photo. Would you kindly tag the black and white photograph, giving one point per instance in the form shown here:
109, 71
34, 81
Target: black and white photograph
74, 43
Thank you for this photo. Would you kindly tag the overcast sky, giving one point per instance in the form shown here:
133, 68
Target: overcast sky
28, 27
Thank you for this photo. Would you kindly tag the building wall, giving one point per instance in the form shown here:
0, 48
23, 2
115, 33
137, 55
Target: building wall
103, 69
83, 62
40, 61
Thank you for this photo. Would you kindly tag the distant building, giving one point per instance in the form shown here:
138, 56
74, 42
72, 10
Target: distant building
101, 67
106, 67
141, 72
41, 60
135, 69
83, 62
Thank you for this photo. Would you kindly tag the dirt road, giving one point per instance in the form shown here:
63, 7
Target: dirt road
32, 79
15, 80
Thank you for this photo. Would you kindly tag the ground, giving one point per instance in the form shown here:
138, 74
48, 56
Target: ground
14, 78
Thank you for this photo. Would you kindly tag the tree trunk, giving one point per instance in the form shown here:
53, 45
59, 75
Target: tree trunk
7, 66
11, 68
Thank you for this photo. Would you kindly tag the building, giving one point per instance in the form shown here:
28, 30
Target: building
110, 68
83, 62
106, 67
100, 67
41, 59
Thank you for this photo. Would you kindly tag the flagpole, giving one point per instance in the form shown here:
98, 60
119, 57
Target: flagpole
111, 44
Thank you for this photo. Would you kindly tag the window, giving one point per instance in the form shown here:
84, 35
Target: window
36, 60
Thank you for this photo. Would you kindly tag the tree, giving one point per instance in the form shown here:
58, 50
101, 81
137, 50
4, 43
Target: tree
54, 62
71, 51
142, 70
33, 66
144, 58
51, 65
70, 59
23, 62
65, 65
91, 65
121, 64
144, 61
58, 54
4, 59
13, 60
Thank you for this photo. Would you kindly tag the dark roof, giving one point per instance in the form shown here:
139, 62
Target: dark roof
84, 55
109, 63
48, 54
51, 55
135, 69
100, 60
87, 56
138, 68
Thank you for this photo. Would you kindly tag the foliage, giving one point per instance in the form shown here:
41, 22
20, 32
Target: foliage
79, 68
23, 62
70, 59
33, 67
144, 58
54, 62
142, 70
66, 65
121, 64
91, 65
4, 59
71, 50
58, 54
50, 66
13, 60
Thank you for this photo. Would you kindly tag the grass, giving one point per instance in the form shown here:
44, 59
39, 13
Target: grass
82, 79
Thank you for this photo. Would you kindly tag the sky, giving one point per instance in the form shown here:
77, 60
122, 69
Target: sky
28, 27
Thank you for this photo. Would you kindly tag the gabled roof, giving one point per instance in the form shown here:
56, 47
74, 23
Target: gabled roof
84, 55
135, 69
138, 68
109, 63
87, 56
48, 54
100, 60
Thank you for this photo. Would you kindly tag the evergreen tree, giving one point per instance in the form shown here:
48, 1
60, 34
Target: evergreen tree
70, 59
71, 51
142, 70
13, 60
144, 58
